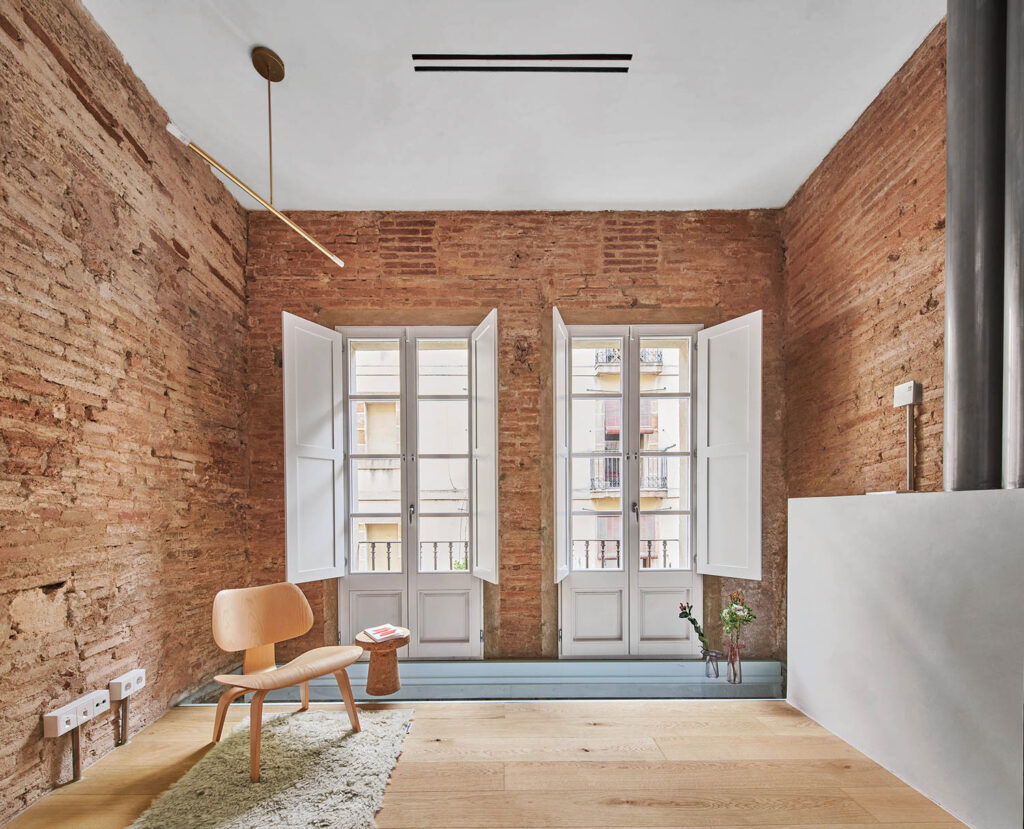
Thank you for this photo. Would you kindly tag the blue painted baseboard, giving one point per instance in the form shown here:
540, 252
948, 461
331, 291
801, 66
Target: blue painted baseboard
501, 679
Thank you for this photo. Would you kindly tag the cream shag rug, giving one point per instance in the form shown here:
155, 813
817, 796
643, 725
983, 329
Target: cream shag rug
315, 772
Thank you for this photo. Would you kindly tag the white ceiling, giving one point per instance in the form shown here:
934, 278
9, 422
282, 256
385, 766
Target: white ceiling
727, 103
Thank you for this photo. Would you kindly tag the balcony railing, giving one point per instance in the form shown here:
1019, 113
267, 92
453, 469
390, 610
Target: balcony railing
613, 356
600, 554
606, 474
386, 556
434, 555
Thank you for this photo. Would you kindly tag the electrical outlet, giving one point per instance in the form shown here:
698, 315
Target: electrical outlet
127, 684
906, 394
100, 701
83, 709
60, 720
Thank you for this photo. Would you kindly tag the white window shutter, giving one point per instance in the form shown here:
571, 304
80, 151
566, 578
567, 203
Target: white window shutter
484, 462
560, 395
729, 448
314, 450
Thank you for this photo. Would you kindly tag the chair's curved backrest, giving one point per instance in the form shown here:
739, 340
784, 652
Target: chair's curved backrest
249, 617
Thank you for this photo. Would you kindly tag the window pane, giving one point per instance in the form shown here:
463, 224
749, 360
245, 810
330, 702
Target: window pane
444, 544
664, 542
376, 427
444, 485
374, 367
376, 485
664, 483
442, 366
597, 542
665, 364
443, 427
665, 424
378, 545
597, 484
596, 425
596, 365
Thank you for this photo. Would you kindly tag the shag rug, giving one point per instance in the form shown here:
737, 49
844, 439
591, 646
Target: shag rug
315, 772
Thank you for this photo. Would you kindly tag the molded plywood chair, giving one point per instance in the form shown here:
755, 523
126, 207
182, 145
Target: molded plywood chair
253, 619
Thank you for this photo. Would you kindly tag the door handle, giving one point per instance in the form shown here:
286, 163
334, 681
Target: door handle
636, 510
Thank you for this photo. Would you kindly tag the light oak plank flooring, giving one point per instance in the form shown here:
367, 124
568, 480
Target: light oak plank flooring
521, 765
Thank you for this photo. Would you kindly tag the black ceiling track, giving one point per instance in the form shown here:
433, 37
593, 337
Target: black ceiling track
522, 62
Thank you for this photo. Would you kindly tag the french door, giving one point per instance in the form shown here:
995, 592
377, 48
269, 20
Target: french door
629, 455
408, 397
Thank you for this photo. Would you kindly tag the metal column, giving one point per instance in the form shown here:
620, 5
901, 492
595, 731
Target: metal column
1013, 266
975, 141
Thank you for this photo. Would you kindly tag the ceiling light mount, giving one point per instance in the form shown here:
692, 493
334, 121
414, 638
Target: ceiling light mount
268, 64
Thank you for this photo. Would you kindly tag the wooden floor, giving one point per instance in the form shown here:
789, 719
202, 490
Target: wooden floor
691, 763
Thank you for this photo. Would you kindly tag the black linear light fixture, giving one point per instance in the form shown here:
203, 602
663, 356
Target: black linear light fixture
578, 62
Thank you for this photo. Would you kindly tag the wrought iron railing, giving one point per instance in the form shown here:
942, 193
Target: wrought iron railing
386, 556
606, 473
600, 553
435, 554
613, 356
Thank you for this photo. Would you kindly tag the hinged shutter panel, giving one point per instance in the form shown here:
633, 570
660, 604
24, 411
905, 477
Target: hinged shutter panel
560, 395
314, 450
484, 462
729, 448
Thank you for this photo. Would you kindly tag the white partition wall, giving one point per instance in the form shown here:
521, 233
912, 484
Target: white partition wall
906, 639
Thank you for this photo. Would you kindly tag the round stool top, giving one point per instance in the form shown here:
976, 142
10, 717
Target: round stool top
367, 644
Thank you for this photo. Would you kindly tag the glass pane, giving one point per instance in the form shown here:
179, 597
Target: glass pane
378, 545
664, 542
665, 424
597, 542
444, 544
596, 365
596, 425
444, 485
664, 364
443, 427
442, 366
376, 427
376, 485
374, 367
664, 483
597, 484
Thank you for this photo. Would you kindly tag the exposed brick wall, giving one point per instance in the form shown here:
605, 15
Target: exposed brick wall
452, 267
865, 256
123, 462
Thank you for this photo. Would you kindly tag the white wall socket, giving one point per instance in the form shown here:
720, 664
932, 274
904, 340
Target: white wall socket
127, 684
100, 701
906, 394
75, 713
60, 720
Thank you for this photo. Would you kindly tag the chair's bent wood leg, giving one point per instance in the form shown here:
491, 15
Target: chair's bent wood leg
228, 697
255, 729
304, 691
346, 694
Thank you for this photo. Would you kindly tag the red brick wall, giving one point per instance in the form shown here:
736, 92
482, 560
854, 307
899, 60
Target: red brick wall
865, 255
436, 268
123, 461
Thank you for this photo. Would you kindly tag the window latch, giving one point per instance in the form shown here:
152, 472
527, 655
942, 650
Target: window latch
636, 510
412, 512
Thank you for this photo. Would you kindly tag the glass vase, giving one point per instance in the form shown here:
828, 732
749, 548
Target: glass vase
734, 671
711, 663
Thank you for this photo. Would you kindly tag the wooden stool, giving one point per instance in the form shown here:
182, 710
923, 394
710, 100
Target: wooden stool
382, 675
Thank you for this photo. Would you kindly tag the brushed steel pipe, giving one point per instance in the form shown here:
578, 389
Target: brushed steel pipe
975, 147
1013, 254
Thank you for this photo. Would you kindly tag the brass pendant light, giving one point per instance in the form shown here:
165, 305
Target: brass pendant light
270, 66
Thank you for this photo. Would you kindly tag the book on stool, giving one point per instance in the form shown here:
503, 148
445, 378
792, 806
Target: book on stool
382, 633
